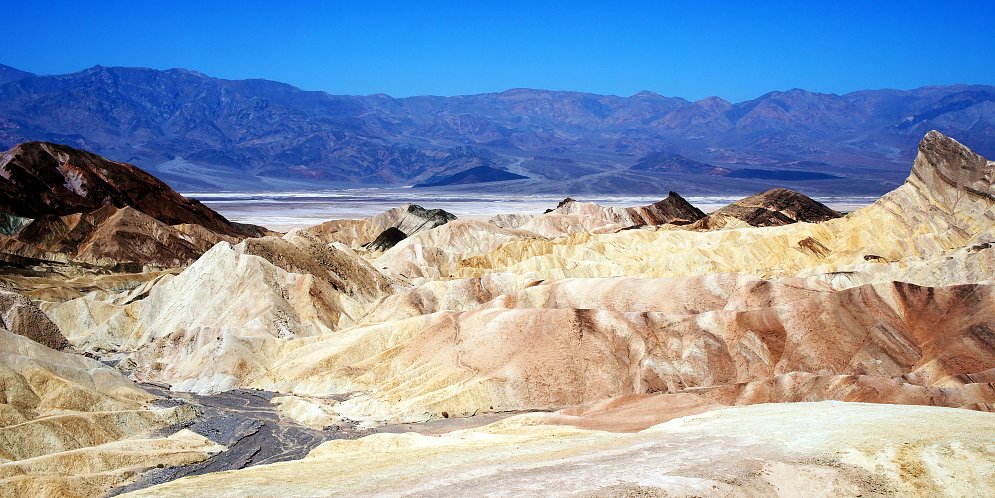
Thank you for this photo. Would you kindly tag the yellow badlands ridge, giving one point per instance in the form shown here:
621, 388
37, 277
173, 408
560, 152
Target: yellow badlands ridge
71, 426
850, 357
798, 449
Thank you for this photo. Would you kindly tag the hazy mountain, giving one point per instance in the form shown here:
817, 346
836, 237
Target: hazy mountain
203, 133
8, 74
480, 174
674, 162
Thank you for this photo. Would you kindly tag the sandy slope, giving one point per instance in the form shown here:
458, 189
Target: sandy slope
71, 426
618, 330
797, 449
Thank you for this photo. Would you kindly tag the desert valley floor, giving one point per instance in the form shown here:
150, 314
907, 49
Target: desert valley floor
285, 211
772, 347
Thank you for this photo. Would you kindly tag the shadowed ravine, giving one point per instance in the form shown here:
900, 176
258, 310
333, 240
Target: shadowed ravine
248, 423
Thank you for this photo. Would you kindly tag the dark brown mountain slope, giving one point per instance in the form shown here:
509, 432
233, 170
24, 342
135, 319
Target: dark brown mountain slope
774, 207
40, 178
109, 236
672, 209
66, 205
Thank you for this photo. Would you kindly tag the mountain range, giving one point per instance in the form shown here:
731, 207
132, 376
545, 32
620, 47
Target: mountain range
200, 133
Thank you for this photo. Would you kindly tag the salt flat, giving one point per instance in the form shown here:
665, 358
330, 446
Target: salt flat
297, 209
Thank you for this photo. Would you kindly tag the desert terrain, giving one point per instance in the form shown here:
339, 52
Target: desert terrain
771, 347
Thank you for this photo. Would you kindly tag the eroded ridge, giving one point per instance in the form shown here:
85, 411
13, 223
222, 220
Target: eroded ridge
771, 347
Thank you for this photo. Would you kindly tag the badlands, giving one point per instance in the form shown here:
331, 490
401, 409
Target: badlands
774, 347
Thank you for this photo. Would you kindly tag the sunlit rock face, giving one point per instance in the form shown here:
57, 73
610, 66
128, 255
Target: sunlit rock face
20, 316
774, 207
945, 205
522, 358
607, 319
795, 449
72, 426
67, 205
571, 217
218, 323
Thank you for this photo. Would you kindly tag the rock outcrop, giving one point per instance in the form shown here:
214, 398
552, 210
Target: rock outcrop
111, 236
387, 239
63, 204
774, 207
571, 216
928, 216
437, 253
20, 316
644, 339
71, 426
39, 179
409, 219
219, 322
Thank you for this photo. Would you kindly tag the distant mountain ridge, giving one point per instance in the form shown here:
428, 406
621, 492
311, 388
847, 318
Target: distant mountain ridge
203, 133
479, 174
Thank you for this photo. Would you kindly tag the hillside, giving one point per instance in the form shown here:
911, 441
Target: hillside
64, 204
771, 345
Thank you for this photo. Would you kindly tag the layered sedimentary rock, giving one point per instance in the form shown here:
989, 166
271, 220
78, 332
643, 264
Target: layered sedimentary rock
57, 282
610, 329
42, 384
20, 316
502, 358
945, 205
774, 207
110, 236
801, 449
571, 216
409, 219
95, 470
220, 321
442, 295
296, 314
67, 205
437, 253
71, 426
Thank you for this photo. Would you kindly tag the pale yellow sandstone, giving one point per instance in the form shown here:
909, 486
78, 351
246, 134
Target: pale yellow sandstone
810, 449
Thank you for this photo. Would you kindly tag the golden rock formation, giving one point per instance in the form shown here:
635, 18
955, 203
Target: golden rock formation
71, 426
799, 449
691, 356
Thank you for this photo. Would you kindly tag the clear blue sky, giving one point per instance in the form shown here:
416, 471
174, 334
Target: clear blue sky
687, 49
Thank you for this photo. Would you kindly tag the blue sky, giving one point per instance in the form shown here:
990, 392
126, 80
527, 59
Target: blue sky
687, 49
